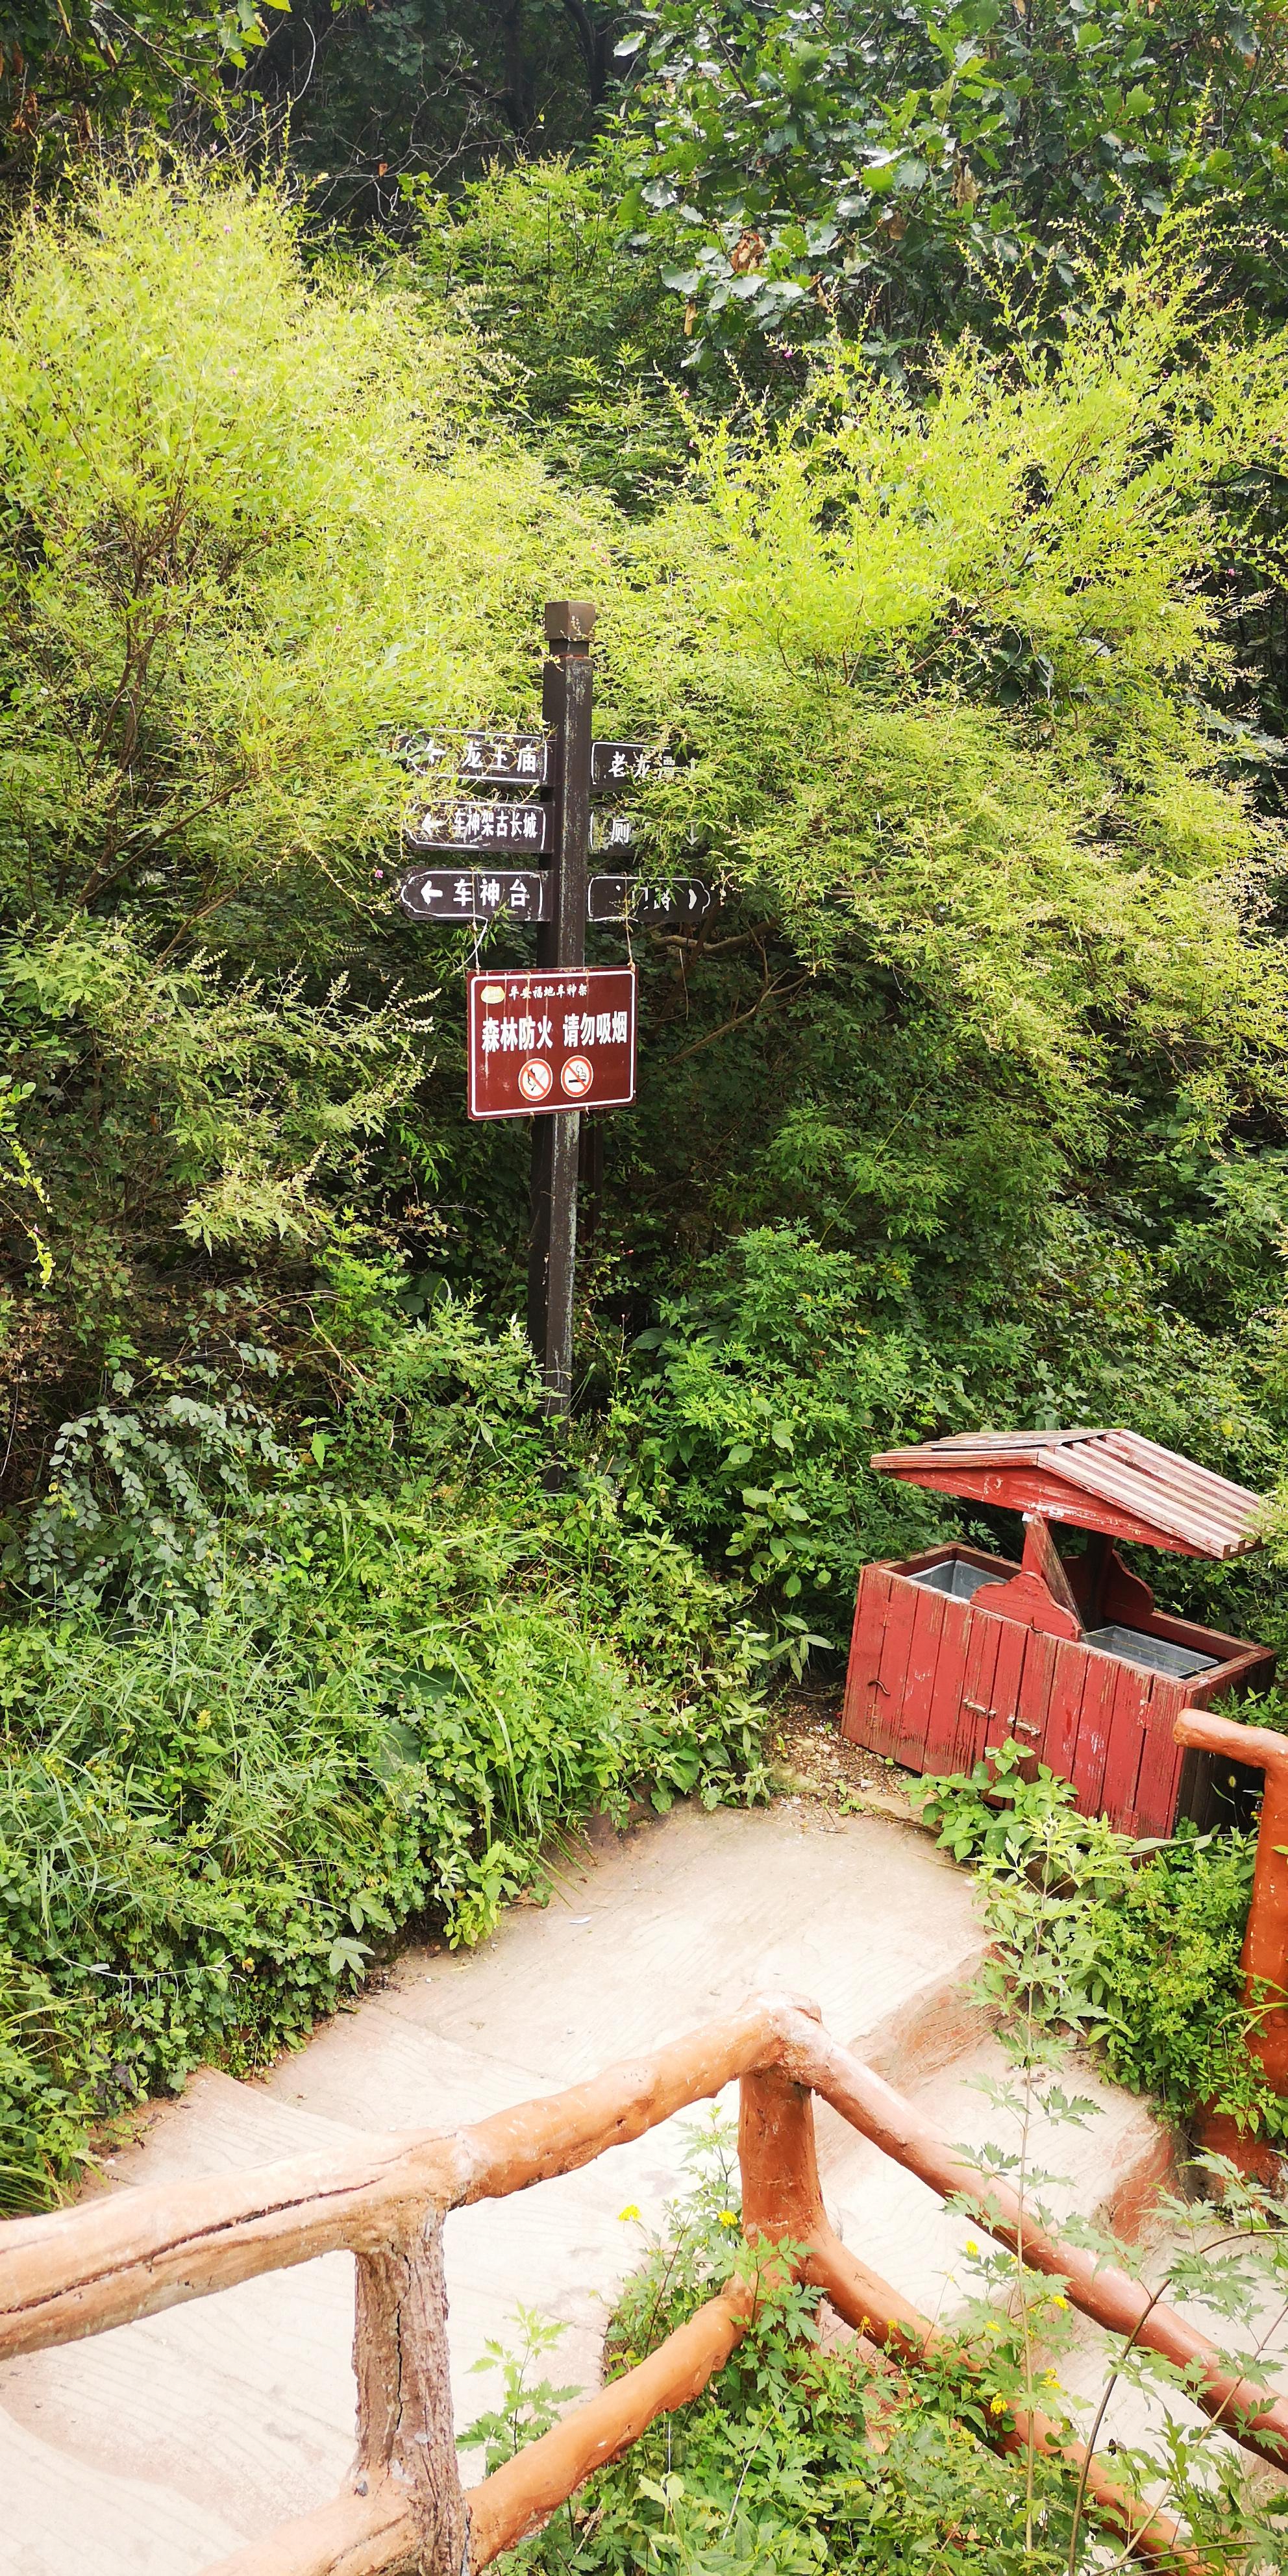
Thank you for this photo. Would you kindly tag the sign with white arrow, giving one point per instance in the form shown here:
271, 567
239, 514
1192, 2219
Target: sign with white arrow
629, 899
449, 894
490, 759
468, 824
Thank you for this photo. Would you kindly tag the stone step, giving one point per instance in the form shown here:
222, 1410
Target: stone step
1108, 2167
192, 2431
1139, 2415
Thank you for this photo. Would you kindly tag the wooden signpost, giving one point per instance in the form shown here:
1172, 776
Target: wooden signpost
566, 692
629, 899
450, 894
549, 1042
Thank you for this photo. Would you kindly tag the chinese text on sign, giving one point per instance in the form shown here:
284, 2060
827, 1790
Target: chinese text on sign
466, 825
559, 1038
475, 894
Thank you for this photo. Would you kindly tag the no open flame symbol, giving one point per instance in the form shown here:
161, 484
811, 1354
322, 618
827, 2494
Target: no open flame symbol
535, 1078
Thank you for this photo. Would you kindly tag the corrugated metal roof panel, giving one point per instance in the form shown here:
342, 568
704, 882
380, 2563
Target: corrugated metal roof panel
1099, 1479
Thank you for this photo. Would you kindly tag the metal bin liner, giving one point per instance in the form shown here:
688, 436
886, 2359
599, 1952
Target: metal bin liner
960, 1580
1132, 1646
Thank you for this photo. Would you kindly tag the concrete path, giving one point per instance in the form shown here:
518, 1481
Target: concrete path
155, 2449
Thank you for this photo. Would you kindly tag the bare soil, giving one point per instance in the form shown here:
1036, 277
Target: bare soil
809, 1759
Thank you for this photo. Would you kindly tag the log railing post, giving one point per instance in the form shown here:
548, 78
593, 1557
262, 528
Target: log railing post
406, 2434
780, 2187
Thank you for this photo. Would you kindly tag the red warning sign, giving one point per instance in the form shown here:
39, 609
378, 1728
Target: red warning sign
559, 1039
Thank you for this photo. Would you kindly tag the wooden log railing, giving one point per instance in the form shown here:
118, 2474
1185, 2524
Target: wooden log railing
403, 2512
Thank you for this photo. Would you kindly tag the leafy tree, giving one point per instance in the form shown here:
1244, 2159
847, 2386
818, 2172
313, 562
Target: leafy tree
939, 674
534, 258
247, 536
367, 96
73, 71
894, 165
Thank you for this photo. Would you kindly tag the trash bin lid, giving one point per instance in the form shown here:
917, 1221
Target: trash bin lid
1112, 1481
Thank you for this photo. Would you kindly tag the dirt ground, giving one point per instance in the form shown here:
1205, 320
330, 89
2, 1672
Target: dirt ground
809, 1759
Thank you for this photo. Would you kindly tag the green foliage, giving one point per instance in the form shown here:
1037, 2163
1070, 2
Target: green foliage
252, 526
1140, 1944
752, 1431
367, 99
528, 2407
939, 696
896, 166
799, 2457
536, 260
138, 1489
396, 1692
71, 72
989, 1009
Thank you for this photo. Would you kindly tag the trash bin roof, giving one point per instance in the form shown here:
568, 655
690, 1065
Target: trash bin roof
1112, 1481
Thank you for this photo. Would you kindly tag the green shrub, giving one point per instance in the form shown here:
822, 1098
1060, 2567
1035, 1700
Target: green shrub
760, 1398
797, 2458
395, 1689
1139, 1943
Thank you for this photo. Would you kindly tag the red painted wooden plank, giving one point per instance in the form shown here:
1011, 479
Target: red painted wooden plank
1029, 1489
871, 1609
919, 1689
976, 1698
1067, 1681
1035, 1692
1099, 1689
1176, 1482
1007, 1672
1127, 1723
1168, 1464
1161, 1758
946, 1695
886, 1726
1253, 1667
1094, 1472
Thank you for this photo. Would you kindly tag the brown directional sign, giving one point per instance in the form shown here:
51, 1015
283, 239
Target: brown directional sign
468, 824
612, 830
475, 894
621, 764
506, 759
489, 759
629, 899
552, 1039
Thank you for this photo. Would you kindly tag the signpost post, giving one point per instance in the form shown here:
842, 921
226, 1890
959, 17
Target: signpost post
547, 1042
561, 943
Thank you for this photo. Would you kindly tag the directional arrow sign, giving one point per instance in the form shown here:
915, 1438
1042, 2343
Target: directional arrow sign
620, 764
491, 759
470, 825
627, 898
446, 894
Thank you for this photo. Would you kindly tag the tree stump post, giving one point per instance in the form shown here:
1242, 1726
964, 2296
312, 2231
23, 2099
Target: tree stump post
406, 2432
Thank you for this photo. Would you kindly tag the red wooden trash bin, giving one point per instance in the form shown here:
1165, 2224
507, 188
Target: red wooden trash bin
955, 1650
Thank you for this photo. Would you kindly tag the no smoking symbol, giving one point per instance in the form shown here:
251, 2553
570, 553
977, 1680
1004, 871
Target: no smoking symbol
577, 1076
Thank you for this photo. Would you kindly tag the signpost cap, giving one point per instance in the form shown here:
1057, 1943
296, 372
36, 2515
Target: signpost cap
569, 621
